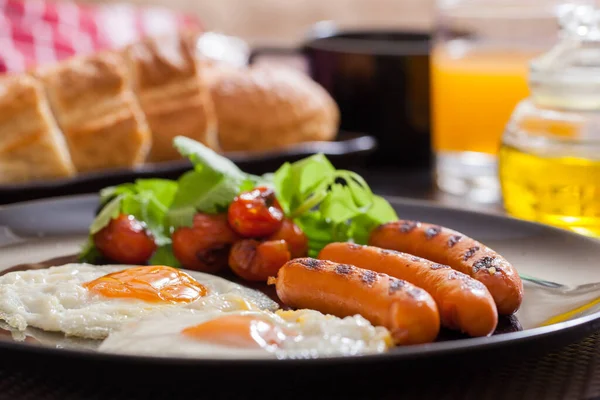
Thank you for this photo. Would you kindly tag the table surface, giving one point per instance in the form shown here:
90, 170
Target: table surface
419, 184
572, 373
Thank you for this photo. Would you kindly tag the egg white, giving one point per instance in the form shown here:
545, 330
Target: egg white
319, 335
54, 299
50, 339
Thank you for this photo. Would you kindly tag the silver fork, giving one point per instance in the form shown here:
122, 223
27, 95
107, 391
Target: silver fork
587, 287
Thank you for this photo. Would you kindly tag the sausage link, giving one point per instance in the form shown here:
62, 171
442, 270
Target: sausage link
408, 312
446, 246
463, 303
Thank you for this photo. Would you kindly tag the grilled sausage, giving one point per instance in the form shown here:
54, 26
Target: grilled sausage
463, 303
408, 312
445, 246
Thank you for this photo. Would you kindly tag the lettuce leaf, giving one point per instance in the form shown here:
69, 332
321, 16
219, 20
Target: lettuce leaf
164, 256
210, 187
148, 200
329, 205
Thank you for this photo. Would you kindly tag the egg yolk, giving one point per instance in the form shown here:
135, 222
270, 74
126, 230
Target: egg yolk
149, 283
238, 331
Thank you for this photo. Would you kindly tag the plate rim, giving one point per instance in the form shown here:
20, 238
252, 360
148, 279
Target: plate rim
408, 201
355, 142
399, 354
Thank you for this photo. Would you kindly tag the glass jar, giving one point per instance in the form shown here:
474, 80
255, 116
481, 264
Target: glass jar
479, 73
549, 163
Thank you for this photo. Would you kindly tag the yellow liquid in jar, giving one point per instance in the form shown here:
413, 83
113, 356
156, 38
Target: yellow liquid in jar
562, 191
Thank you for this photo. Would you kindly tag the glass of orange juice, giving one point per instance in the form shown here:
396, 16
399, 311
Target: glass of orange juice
479, 73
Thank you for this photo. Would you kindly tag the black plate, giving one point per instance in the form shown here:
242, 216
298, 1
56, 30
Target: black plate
348, 150
39, 230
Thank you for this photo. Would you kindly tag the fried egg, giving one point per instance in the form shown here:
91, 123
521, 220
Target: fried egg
51, 339
248, 334
91, 301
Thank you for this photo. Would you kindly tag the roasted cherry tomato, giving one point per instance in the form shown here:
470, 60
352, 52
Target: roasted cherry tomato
255, 213
125, 240
294, 237
205, 246
257, 261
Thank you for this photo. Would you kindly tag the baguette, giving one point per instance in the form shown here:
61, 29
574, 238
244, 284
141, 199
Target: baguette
102, 122
31, 144
173, 94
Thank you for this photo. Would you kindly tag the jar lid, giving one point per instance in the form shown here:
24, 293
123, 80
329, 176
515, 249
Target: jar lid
568, 75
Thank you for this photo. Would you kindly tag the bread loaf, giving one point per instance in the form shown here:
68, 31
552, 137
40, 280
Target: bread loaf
267, 108
172, 92
31, 144
97, 112
119, 109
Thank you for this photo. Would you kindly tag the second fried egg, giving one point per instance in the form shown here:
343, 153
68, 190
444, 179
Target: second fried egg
296, 334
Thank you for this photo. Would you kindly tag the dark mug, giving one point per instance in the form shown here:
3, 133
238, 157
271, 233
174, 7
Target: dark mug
380, 81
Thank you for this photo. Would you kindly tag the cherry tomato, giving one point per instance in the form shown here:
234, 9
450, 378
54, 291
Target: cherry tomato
294, 237
205, 246
125, 240
255, 261
255, 213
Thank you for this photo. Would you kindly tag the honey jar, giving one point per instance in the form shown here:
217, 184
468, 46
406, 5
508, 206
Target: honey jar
549, 159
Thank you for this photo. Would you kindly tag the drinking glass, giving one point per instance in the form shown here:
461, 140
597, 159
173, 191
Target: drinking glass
479, 73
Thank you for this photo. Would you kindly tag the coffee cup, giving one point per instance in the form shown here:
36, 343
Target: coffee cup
380, 81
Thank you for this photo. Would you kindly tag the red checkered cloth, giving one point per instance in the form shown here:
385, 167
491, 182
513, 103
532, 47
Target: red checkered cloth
35, 32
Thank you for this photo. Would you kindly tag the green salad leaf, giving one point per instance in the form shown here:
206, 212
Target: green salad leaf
148, 200
210, 187
164, 256
204, 158
110, 210
329, 205
89, 253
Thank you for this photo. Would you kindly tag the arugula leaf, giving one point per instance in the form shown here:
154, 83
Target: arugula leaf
206, 191
317, 230
284, 183
108, 212
163, 190
379, 213
210, 187
339, 206
148, 200
89, 253
303, 181
311, 171
164, 256
163, 205
204, 158
329, 205
111, 192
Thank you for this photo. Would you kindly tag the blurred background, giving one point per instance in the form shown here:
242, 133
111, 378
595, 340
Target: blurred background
487, 104
286, 22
